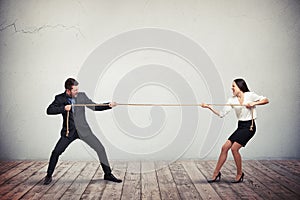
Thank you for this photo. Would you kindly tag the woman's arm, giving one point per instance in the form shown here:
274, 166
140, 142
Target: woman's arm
203, 105
255, 103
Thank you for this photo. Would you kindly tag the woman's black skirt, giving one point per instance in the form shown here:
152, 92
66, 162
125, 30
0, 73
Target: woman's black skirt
243, 134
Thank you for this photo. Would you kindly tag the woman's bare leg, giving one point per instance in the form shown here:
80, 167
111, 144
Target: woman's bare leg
222, 157
238, 159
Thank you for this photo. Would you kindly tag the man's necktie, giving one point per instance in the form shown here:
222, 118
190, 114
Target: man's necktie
72, 102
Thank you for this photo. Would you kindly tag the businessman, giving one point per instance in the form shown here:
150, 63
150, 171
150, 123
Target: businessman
75, 123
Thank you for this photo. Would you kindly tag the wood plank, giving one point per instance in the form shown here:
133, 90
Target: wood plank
167, 186
283, 172
96, 186
254, 180
20, 178
282, 176
8, 165
268, 177
81, 182
205, 190
223, 187
39, 190
242, 189
132, 181
23, 188
293, 166
150, 188
183, 182
114, 190
58, 189
15, 171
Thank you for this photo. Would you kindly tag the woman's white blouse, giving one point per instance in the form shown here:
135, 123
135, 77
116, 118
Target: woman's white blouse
242, 113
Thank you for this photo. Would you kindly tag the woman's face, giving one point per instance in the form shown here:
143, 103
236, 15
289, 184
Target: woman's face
235, 89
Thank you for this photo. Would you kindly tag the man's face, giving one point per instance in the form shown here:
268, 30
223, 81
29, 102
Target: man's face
73, 92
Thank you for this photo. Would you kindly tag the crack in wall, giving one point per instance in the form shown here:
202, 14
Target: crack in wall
38, 29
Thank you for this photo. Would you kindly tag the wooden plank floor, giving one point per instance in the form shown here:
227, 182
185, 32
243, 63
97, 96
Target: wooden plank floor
264, 179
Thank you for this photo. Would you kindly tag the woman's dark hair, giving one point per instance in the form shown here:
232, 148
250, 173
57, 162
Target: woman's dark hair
70, 82
242, 84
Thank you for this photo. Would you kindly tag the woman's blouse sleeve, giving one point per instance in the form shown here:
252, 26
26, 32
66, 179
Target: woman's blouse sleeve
256, 97
226, 109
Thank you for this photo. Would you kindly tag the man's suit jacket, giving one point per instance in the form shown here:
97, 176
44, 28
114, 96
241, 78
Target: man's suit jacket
77, 119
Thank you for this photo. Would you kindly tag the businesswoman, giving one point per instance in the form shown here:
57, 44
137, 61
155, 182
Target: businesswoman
243, 102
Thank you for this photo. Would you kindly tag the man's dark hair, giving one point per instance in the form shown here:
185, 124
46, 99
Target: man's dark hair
242, 84
70, 82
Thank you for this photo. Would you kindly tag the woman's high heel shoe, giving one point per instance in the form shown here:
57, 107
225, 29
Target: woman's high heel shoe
218, 178
240, 180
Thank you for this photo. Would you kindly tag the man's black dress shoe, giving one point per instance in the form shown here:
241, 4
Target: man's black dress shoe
47, 180
111, 177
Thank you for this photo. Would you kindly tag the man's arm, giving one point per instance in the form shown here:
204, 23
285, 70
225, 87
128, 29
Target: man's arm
84, 99
110, 105
87, 100
56, 107
101, 108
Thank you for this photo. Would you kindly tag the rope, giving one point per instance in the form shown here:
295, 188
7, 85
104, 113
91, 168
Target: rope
68, 114
91, 104
252, 120
136, 104
151, 104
